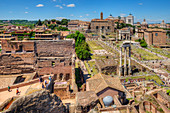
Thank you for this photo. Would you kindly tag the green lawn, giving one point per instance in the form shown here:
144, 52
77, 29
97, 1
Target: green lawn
145, 54
93, 67
94, 46
160, 51
150, 77
98, 57
87, 67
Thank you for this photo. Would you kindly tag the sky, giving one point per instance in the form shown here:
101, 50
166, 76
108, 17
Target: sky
154, 11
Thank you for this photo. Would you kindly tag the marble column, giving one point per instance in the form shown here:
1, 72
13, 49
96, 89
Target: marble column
130, 60
125, 58
120, 66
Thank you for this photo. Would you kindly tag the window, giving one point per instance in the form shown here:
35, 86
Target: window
8, 51
52, 63
156, 34
129, 20
61, 76
67, 76
97, 27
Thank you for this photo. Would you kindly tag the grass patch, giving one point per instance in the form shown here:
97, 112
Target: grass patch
150, 77
87, 67
145, 54
160, 51
98, 57
94, 46
93, 67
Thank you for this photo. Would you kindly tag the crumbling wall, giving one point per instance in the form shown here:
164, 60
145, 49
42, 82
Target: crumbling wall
38, 102
16, 64
61, 48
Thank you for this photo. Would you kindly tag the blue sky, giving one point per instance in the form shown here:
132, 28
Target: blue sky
152, 10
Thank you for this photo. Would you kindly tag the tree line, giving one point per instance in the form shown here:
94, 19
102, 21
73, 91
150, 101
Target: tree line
81, 47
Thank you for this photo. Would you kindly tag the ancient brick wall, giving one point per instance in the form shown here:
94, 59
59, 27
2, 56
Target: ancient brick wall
47, 57
16, 63
15, 46
54, 48
160, 39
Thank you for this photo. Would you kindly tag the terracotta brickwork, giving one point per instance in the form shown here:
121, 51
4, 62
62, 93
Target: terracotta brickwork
155, 37
43, 57
107, 92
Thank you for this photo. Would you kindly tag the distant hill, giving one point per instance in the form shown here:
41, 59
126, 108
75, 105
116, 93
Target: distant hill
18, 22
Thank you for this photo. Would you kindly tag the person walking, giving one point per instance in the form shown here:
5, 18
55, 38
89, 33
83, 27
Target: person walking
42, 85
17, 91
9, 88
50, 77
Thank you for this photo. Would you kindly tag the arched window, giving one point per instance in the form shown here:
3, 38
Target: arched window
61, 76
67, 76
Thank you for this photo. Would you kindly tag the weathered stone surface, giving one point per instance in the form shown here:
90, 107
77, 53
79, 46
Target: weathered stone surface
38, 102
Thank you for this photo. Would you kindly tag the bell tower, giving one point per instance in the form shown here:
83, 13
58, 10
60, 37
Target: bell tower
101, 15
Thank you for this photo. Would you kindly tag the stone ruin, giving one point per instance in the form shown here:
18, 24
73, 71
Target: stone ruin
107, 66
38, 102
43, 57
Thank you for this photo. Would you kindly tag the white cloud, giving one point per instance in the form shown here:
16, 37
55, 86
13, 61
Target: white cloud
26, 12
71, 15
64, 4
80, 16
40, 5
26, 7
122, 15
71, 5
87, 14
140, 3
54, 0
60, 18
59, 6
94, 11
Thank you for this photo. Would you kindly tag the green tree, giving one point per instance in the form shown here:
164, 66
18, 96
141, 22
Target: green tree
53, 20
39, 22
64, 21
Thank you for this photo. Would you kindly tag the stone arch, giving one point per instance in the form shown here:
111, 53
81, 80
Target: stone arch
61, 76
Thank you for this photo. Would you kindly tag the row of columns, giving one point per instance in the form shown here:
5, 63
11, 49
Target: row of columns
125, 61
126, 35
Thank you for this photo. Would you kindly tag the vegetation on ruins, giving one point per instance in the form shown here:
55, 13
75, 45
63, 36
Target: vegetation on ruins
60, 28
168, 92
149, 77
21, 36
81, 47
142, 42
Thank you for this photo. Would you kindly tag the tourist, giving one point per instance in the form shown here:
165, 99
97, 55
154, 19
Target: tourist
40, 79
17, 91
9, 88
45, 82
50, 77
42, 85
